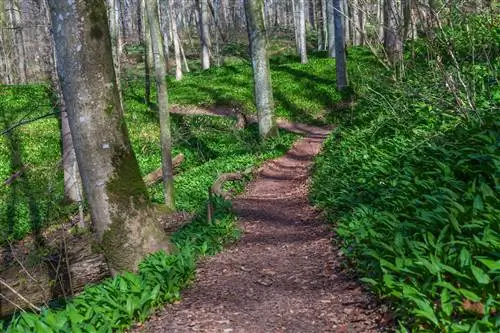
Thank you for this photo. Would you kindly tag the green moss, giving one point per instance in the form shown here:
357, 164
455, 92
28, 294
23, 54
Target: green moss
112, 245
109, 109
126, 183
98, 18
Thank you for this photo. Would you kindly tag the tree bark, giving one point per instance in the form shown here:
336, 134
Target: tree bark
148, 55
263, 93
302, 31
18, 39
177, 49
162, 100
330, 28
204, 33
124, 223
392, 40
340, 58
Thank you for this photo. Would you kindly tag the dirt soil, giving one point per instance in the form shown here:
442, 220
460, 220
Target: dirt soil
283, 275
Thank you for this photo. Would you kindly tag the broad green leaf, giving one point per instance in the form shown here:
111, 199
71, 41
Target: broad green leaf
469, 295
465, 257
480, 275
446, 302
425, 310
491, 264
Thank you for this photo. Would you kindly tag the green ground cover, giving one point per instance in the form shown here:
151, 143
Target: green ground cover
410, 181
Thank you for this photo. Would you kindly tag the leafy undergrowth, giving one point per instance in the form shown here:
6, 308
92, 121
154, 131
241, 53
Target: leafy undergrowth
411, 181
117, 303
211, 145
32, 190
302, 92
35, 198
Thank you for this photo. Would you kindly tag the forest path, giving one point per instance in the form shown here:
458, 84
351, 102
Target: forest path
283, 275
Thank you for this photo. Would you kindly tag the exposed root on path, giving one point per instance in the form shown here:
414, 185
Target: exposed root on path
283, 275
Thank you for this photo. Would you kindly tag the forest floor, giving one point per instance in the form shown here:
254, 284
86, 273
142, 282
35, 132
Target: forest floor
283, 275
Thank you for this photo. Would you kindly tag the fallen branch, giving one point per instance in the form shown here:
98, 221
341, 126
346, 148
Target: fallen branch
15, 175
157, 175
216, 189
34, 307
219, 182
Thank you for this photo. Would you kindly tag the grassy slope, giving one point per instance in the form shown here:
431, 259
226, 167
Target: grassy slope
410, 180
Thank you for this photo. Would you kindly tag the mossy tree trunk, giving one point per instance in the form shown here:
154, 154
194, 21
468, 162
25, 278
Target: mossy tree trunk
162, 99
340, 58
124, 223
263, 92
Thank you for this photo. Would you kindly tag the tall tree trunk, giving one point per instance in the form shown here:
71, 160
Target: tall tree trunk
73, 191
7, 46
330, 15
263, 93
302, 31
114, 31
296, 25
380, 20
18, 38
392, 40
162, 100
148, 55
354, 22
123, 220
340, 58
204, 33
345, 21
311, 5
177, 49
322, 27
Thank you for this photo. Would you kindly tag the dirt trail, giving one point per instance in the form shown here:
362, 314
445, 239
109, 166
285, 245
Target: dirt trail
283, 275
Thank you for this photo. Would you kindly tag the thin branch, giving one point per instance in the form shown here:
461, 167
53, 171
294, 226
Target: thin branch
24, 122
11, 302
34, 307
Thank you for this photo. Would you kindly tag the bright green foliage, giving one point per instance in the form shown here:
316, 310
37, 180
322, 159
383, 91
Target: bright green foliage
27, 202
211, 145
412, 183
117, 303
301, 92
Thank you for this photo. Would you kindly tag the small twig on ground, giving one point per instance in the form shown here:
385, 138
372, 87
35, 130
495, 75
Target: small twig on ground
33, 306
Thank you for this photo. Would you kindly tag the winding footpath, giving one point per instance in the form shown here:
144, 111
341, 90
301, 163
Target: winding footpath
283, 275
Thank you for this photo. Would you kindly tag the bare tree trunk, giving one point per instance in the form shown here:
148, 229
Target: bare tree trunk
114, 31
392, 40
345, 21
296, 25
177, 49
340, 59
204, 33
380, 19
18, 39
7, 46
148, 55
322, 27
263, 93
125, 224
162, 100
312, 13
73, 191
354, 22
302, 31
330, 14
